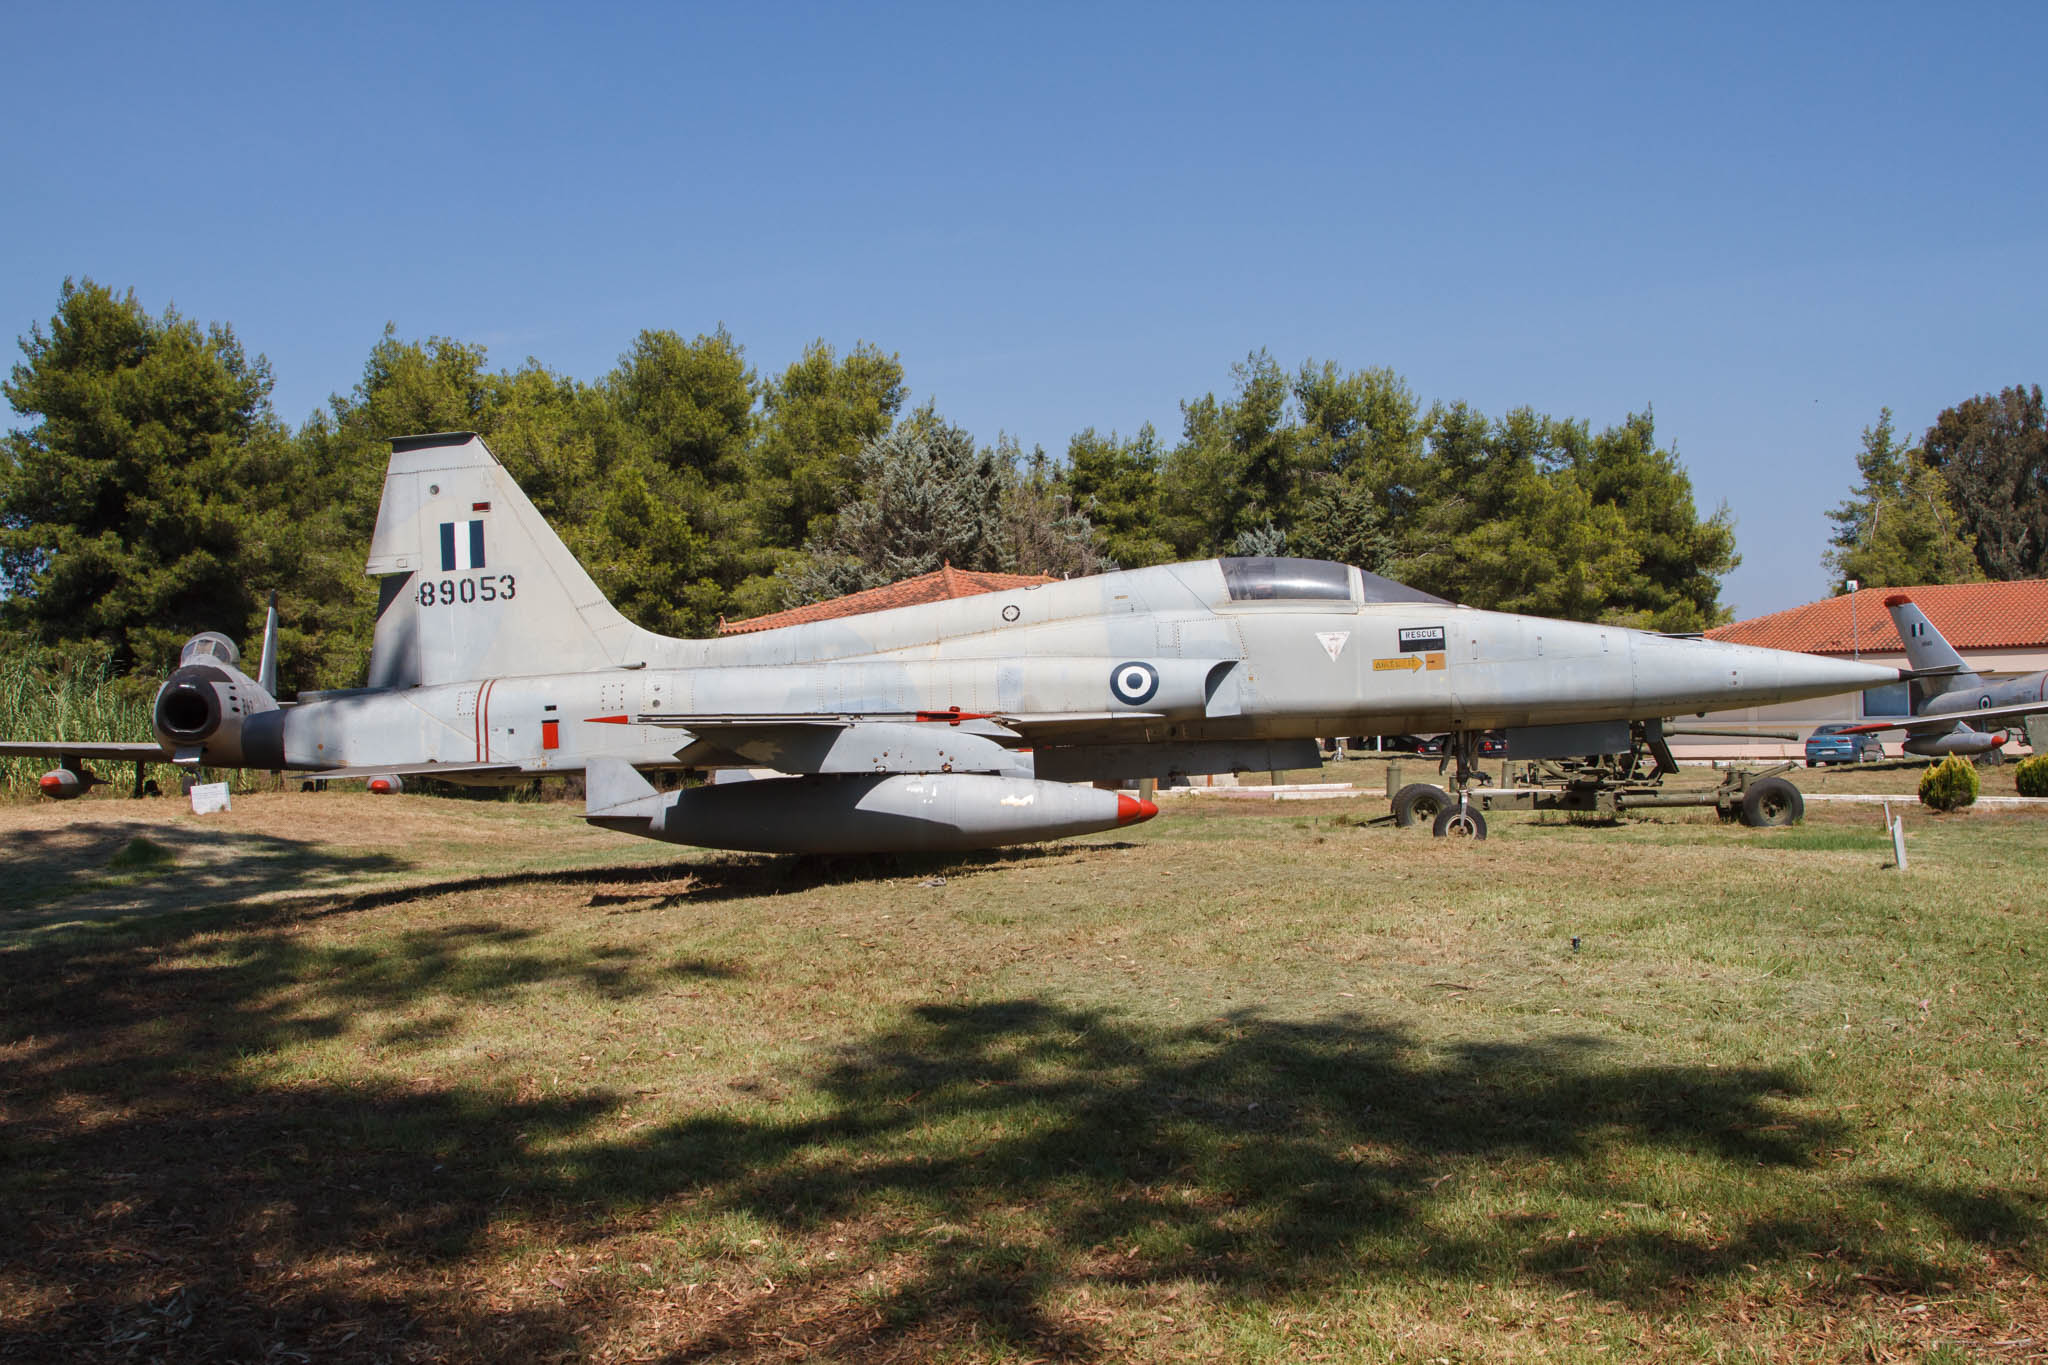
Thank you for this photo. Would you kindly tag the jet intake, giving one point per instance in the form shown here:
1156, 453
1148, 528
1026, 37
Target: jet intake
210, 709
893, 813
188, 708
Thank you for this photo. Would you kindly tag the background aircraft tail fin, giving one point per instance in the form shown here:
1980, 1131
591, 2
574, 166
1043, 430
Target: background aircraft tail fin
474, 582
1925, 649
266, 670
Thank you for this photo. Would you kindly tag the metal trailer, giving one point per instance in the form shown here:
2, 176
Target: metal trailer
1596, 784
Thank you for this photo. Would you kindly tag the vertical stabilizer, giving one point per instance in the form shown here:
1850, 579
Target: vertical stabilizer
475, 583
1926, 649
266, 671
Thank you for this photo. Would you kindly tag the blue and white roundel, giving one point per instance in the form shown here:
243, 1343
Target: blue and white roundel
1134, 683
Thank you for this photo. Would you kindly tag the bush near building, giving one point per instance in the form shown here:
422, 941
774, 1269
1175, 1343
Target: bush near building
1949, 785
2031, 777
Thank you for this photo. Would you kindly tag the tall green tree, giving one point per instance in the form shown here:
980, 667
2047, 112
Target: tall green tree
929, 497
675, 524
1992, 451
818, 416
691, 401
154, 494
1680, 556
1043, 530
1237, 467
1536, 514
1364, 427
1898, 527
1114, 482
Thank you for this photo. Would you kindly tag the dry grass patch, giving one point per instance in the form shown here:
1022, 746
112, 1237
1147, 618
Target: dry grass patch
1246, 1083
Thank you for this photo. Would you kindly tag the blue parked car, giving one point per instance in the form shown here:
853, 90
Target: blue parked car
1828, 744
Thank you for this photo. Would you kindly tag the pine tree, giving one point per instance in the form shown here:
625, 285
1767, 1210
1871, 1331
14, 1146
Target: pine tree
1898, 528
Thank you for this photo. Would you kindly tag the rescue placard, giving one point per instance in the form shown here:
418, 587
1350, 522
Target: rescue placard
1416, 639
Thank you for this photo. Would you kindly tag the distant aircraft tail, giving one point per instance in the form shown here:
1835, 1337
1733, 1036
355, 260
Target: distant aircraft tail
1925, 649
475, 583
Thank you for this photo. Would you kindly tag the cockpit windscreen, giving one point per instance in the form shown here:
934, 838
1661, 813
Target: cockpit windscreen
1269, 578
1379, 589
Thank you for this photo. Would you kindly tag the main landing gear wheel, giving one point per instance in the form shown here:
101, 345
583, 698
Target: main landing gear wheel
1419, 801
1772, 801
1459, 822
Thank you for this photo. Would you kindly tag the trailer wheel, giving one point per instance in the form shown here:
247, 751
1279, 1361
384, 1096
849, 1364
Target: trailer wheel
1772, 801
1419, 801
1459, 822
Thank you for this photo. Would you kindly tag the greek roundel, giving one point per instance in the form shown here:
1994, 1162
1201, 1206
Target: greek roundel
1134, 684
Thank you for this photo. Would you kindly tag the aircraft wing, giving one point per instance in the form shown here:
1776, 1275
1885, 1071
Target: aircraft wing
362, 771
1924, 724
88, 749
917, 742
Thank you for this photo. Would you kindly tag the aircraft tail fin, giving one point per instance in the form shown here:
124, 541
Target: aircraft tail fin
266, 671
475, 583
1926, 650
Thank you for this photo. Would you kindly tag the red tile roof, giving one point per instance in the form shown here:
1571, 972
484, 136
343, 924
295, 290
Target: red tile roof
1969, 616
938, 586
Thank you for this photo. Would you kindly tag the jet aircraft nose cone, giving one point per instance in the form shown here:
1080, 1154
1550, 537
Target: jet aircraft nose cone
1132, 810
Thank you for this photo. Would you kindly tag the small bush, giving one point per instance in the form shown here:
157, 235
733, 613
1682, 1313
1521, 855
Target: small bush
140, 854
2032, 776
1949, 785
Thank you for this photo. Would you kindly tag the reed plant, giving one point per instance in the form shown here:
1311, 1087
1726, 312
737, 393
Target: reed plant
66, 699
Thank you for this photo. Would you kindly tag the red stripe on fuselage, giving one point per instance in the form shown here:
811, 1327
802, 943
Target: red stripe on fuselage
483, 719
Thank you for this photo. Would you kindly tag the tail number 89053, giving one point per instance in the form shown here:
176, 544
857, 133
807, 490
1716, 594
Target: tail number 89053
446, 592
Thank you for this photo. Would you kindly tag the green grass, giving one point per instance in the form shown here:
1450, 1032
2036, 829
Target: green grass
1248, 1082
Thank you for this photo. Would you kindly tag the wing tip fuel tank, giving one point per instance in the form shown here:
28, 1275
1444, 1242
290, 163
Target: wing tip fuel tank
873, 813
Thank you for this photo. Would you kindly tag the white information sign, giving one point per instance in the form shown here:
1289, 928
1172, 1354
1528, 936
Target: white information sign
208, 797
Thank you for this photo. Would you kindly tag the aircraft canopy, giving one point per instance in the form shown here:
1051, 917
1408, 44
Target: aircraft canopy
1267, 578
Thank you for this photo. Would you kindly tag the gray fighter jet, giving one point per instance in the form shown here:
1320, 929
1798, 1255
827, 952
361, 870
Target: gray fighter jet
952, 725
1956, 716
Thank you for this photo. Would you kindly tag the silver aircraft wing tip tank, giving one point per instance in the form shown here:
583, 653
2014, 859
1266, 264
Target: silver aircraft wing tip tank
953, 725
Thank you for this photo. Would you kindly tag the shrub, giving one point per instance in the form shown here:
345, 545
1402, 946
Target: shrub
1949, 784
2032, 776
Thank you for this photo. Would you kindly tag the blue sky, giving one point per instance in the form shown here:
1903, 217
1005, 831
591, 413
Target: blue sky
1764, 224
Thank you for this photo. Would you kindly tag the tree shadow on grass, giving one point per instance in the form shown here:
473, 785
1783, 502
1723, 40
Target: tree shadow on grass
100, 872
82, 881
158, 1200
